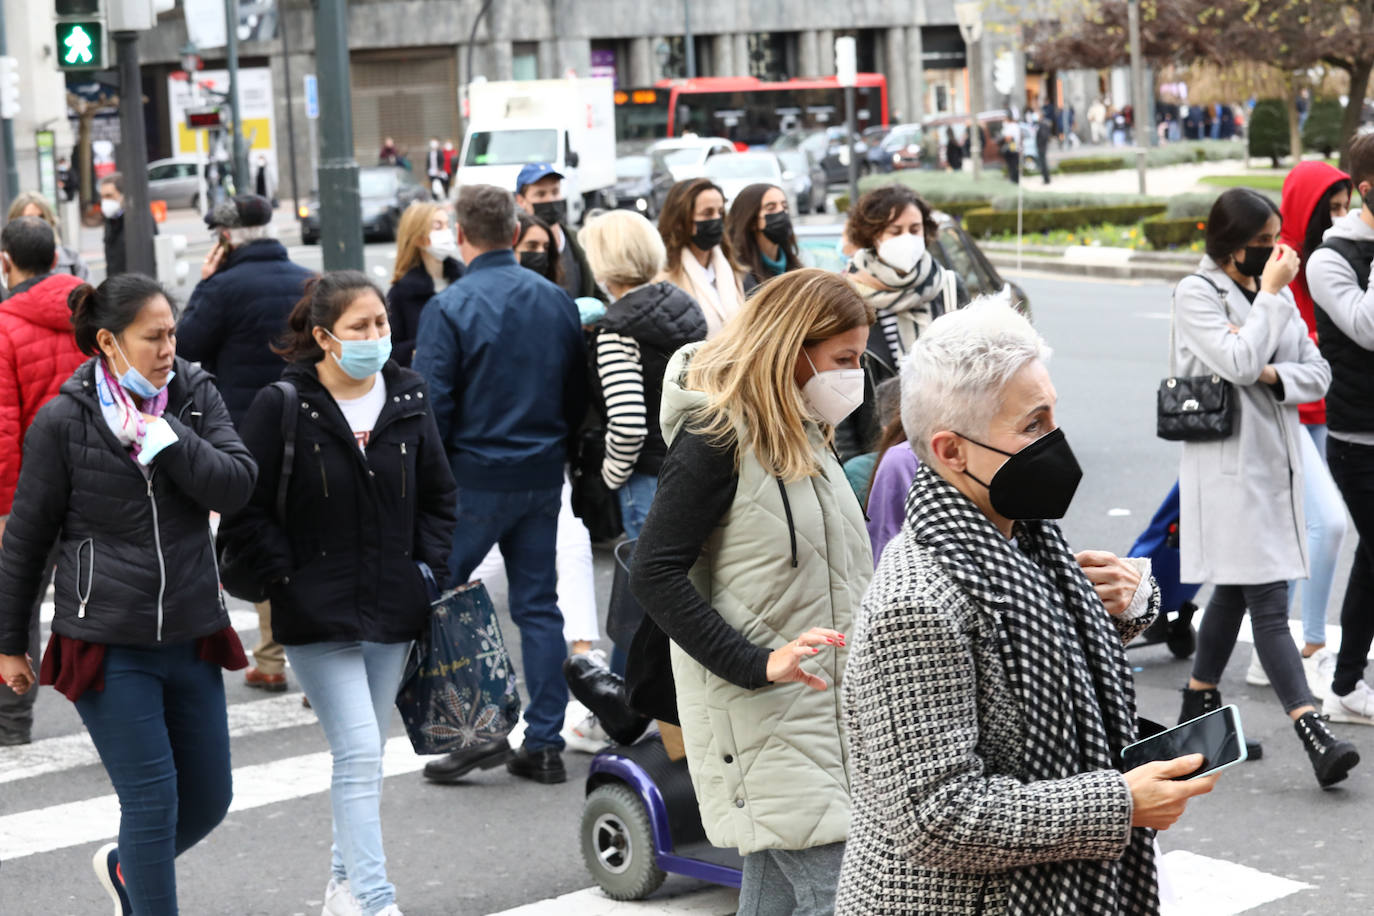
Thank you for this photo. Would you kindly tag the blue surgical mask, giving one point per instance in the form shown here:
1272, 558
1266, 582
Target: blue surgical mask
135, 382
362, 359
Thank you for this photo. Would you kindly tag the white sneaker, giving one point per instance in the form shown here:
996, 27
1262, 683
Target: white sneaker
392, 910
586, 737
1356, 707
1320, 668
1254, 675
339, 900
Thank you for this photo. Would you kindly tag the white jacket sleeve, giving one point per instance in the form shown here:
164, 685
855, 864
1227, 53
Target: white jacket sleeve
1336, 290
1308, 378
1203, 327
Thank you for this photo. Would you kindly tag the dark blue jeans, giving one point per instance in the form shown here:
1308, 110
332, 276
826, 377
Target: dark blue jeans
525, 524
162, 731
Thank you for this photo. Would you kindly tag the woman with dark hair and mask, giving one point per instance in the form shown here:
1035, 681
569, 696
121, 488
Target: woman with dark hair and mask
535, 248
701, 257
1241, 523
760, 230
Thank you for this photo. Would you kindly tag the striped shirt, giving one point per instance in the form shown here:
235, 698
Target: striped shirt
622, 388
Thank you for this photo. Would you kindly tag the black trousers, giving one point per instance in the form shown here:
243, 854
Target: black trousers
1352, 467
16, 711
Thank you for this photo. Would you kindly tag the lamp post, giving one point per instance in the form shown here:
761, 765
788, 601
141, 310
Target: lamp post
1140, 105
969, 13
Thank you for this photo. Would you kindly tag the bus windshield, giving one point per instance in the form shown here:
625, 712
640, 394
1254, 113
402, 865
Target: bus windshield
512, 147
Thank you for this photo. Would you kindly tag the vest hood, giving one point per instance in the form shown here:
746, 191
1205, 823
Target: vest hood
1350, 227
679, 401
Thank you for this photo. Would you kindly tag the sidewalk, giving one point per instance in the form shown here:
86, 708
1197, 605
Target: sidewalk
1162, 181
191, 224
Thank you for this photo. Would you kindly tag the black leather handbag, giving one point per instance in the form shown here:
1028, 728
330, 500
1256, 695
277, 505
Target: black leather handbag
1198, 408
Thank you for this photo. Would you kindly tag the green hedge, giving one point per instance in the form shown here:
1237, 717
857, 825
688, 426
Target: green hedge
987, 221
1323, 130
1268, 130
1091, 164
1059, 200
1164, 232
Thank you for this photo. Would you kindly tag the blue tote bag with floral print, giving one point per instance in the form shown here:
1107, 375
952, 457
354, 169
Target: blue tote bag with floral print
459, 688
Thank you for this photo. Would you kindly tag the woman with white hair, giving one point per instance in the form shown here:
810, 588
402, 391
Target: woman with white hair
988, 694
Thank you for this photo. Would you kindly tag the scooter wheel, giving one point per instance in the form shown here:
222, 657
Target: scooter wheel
1182, 639
618, 843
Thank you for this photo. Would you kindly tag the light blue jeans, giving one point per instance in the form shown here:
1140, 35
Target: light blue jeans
1325, 513
352, 688
636, 495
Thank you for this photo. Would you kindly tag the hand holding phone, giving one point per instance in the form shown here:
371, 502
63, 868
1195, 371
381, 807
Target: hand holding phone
1160, 790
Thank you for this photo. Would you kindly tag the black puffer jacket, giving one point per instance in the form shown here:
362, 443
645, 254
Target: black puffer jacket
662, 319
344, 568
407, 299
137, 564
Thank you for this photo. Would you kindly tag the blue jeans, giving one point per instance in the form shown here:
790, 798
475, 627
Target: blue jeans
1324, 511
352, 688
162, 731
525, 524
636, 495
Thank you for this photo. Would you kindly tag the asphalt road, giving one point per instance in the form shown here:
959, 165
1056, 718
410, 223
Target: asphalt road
495, 843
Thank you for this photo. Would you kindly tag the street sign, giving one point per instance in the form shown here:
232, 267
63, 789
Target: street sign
45, 146
80, 45
846, 61
312, 97
1004, 73
9, 88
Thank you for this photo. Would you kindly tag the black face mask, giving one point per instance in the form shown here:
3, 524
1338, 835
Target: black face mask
537, 261
1256, 256
777, 227
551, 211
1037, 482
708, 234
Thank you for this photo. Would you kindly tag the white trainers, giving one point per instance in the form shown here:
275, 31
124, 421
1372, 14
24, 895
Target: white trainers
1320, 668
1254, 675
392, 910
339, 900
1356, 707
586, 737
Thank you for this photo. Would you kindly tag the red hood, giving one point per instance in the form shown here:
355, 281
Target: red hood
1302, 190
44, 303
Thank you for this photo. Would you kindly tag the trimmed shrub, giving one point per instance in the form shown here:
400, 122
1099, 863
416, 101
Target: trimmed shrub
958, 207
938, 187
1164, 232
1058, 200
1268, 130
1323, 130
988, 221
1091, 164
1199, 206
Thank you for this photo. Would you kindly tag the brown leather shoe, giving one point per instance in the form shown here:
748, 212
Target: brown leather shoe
275, 683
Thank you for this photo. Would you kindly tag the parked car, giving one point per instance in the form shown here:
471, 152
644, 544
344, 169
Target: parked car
385, 191
641, 183
992, 124
805, 180
873, 138
176, 181
735, 173
954, 249
901, 149
686, 157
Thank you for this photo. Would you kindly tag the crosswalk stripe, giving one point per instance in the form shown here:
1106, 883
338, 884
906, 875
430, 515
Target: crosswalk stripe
1194, 885
52, 755
91, 820
719, 901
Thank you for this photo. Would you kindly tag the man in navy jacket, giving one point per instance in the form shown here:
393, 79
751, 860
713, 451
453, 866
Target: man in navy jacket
503, 353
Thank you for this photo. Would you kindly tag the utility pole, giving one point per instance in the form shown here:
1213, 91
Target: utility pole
689, 48
9, 188
133, 155
969, 14
341, 230
284, 25
231, 50
1140, 106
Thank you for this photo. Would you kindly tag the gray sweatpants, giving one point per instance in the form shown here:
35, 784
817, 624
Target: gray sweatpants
784, 882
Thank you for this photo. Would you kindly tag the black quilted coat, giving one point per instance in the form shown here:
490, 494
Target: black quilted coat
137, 564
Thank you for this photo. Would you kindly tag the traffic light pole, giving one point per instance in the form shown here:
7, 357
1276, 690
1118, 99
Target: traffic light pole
9, 188
231, 53
133, 155
341, 229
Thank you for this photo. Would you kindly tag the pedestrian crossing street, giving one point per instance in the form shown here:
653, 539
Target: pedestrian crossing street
1194, 884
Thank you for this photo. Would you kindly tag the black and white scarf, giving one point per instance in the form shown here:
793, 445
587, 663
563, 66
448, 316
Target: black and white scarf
908, 304
1068, 668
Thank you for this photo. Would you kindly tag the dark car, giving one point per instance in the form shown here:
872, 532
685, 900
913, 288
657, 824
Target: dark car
873, 138
642, 182
953, 248
900, 149
806, 179
830, 149
384, 191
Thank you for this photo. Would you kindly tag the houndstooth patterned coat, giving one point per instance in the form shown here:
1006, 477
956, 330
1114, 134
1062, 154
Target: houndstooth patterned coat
944, 817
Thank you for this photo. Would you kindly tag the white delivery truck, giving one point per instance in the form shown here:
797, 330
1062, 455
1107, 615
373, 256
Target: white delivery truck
569, 123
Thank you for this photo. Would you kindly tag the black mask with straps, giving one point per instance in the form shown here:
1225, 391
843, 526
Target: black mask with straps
1035, 483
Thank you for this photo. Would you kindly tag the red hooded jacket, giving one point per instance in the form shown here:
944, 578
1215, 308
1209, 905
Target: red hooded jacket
37, 354
1302, 191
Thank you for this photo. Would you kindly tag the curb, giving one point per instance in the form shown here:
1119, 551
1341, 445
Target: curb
1172, 273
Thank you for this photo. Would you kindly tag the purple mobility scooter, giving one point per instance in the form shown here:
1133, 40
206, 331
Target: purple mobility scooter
640, 820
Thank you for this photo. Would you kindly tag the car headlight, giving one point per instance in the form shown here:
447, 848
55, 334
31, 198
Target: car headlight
303, 211
641, 204
896, 158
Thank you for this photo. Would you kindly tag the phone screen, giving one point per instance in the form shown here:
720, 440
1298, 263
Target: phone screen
1217, 736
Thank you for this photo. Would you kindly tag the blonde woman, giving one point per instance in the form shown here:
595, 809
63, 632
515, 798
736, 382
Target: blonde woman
699, 256
426, 263
755, 537
31, 203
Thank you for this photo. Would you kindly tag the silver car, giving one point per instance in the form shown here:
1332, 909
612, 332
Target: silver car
176, 181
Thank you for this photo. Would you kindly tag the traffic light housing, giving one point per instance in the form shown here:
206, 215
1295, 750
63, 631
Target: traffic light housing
9, 88
80, 35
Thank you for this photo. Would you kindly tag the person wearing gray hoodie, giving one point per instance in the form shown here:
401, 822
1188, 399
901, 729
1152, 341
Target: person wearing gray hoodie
1338, 278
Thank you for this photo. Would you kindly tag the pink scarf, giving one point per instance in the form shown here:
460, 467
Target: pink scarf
124, 417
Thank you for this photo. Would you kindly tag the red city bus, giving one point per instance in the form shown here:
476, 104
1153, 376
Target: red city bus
744, 108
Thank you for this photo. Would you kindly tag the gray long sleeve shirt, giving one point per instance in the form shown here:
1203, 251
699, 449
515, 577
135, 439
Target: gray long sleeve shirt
1336, 290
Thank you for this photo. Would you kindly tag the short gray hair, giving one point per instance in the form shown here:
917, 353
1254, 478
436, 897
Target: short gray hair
955, 372
486, 214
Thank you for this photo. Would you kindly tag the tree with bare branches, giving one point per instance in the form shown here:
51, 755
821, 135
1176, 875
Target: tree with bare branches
86, 110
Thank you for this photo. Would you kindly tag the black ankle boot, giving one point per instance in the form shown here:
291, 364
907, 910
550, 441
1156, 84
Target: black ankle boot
1200, 702
1332, 758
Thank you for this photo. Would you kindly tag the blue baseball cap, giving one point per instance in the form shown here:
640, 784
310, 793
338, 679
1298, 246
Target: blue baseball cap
533, 172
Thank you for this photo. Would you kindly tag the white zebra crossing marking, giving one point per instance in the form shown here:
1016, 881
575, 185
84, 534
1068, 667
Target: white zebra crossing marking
718, 901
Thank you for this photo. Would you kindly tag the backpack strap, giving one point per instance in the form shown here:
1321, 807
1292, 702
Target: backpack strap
288, 435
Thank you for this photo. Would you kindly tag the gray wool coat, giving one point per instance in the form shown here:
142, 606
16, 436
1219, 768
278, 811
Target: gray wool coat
1241, 519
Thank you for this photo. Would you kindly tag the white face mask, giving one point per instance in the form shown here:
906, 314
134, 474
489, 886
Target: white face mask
442, 244
834, 394
434, 144
903, 252
110, 208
